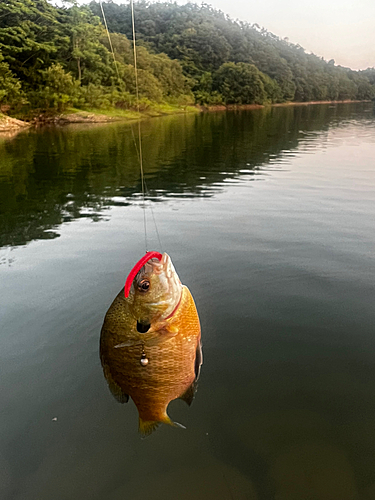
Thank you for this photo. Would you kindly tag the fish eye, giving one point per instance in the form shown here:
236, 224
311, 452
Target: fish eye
143, 286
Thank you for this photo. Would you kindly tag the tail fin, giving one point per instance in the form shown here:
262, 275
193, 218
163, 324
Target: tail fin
146, 427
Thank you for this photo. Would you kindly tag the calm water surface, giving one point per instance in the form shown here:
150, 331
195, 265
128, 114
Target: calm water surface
269, 217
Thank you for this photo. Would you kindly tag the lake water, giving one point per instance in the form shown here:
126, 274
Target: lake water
269, 217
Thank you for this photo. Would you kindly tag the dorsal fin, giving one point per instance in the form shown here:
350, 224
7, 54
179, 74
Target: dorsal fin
189, 394
198, 360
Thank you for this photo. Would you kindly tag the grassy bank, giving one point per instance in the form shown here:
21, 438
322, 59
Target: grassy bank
89, 115
94, 115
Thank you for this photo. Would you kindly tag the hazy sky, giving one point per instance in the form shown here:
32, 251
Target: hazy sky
343, 30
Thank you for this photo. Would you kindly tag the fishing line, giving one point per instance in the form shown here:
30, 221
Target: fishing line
139, 122
143, 187
138, 150
150, 205
109, 39
156, 227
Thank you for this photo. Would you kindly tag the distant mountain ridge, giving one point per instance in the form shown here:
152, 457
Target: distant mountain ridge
212, 49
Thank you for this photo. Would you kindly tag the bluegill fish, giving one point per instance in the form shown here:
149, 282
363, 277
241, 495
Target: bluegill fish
150, 343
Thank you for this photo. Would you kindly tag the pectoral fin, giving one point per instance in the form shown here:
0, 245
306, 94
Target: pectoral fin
160, 337
147, 427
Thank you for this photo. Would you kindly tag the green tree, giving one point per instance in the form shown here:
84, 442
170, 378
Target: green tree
272, 89
88, 59
29, 36
10, 86
159, 76
369, 74
240, 83
59, 89
204, 93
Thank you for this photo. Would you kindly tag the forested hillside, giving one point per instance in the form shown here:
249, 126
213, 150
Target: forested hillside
234, 61
54, 58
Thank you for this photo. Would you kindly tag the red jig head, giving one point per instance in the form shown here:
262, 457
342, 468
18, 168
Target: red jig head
133, 273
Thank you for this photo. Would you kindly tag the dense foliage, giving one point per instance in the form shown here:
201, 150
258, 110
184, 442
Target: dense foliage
53, 58
204, 39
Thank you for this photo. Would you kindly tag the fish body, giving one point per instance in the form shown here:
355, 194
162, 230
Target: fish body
150, 345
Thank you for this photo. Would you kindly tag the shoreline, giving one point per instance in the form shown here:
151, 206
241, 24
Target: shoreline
10, 126
231, 107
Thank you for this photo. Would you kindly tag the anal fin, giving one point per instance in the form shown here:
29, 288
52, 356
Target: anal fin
147, 427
